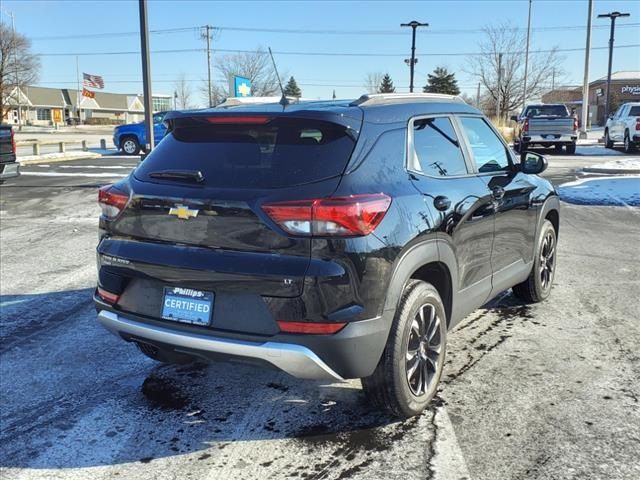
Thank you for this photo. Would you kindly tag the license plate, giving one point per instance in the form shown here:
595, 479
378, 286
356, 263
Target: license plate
186, 305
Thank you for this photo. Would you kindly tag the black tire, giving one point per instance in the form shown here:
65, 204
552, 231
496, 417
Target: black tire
571, 149
130, 145
524, 147
537, 286
629, 146
607, 141
558, 148
392, 386
163, 356
516, 147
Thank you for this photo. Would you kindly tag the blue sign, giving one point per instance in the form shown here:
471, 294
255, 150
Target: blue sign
241, 87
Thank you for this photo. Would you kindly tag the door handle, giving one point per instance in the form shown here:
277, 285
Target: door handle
441, 203
497, 193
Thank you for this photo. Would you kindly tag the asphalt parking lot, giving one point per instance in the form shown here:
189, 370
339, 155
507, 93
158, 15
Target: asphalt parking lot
547, 391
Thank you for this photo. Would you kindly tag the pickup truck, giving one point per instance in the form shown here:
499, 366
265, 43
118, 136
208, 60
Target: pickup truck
545, 125
8, 165
624, 126
132, 137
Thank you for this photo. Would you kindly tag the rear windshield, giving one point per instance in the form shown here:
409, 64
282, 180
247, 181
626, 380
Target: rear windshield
282, 152
634, 112
546, 111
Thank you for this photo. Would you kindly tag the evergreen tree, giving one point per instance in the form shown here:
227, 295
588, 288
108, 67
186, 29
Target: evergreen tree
291, 89
441, 81
386, 85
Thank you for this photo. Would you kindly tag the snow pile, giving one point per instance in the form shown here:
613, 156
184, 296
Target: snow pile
629, 164
623, 191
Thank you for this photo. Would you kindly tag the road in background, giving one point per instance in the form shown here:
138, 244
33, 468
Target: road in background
547, 391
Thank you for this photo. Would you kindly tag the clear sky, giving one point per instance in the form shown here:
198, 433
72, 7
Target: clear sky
99, 27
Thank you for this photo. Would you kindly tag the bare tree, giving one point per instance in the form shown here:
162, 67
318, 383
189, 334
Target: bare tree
18, 66
372, 81
511, 43
183, 91
256, 66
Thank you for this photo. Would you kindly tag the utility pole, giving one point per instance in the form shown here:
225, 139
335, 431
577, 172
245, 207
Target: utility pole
498, 109
553, 79
526, 60
146, 75
612, 16
478, 96
585, 83
207, 36
414, 25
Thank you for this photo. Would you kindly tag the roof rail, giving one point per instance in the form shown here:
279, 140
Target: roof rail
389, 98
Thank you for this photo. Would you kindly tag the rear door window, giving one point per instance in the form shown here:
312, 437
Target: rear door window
436, 147
634, 112
489, 153
281, 152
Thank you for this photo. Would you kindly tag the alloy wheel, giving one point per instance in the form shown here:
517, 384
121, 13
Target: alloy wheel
547, 260
424, 350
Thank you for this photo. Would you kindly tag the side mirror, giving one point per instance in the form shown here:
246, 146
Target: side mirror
514, 118
533, 163
611, 115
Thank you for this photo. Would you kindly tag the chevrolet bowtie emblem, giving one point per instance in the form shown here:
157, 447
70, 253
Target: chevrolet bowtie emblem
185, 213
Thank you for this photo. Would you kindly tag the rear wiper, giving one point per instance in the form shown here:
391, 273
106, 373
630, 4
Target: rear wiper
185, 175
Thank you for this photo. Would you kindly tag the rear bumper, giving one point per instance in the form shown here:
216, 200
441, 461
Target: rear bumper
549, 139
352, 353
9, 170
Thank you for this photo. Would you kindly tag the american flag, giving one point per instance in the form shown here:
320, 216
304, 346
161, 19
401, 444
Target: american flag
92, 81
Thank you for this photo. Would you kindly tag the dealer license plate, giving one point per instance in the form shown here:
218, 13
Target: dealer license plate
186, 305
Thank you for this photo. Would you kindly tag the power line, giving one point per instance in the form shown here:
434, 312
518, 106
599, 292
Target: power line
434, 31
326, 54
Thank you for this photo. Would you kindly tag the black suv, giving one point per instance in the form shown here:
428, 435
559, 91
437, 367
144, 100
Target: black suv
330, 240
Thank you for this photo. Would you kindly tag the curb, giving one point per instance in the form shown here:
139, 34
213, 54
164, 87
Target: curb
612, 171
61, 159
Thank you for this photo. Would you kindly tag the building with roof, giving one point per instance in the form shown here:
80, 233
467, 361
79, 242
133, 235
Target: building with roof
625, 87
49, 106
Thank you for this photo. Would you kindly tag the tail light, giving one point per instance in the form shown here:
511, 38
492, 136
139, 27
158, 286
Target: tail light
525, 125
310, 328
13, 142
637, 123
239, 119
575, 124
350, 216
112, 201
108, 297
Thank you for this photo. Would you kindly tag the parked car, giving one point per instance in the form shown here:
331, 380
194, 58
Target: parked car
73, 121
624, 126
546, 125
9, 167
132, 137
330, 240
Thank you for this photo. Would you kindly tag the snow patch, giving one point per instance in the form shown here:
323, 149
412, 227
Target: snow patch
54, 156
622, 191
630, 163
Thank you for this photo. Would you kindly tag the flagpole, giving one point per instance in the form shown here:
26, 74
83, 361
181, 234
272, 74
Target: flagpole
78, 89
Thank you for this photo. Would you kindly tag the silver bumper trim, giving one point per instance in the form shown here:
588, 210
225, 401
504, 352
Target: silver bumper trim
567, 138
296, 360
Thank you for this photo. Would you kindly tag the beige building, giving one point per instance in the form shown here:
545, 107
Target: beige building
49, 106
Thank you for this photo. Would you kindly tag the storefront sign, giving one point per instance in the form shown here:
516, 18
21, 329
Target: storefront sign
630, 89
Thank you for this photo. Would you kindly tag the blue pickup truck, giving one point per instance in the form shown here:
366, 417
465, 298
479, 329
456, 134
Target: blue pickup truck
131, 138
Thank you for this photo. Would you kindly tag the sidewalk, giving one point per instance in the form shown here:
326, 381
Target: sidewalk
593, 136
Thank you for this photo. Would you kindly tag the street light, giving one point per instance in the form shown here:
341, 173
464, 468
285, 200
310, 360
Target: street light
413, 24
612, 16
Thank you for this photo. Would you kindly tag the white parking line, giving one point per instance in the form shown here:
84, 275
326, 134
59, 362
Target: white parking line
448, 462
80, 167
71, 174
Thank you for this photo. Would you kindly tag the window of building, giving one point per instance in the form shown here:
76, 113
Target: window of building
161, 104
437, 148
43, 114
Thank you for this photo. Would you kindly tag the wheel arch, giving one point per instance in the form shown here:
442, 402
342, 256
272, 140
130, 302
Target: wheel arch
425, 261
